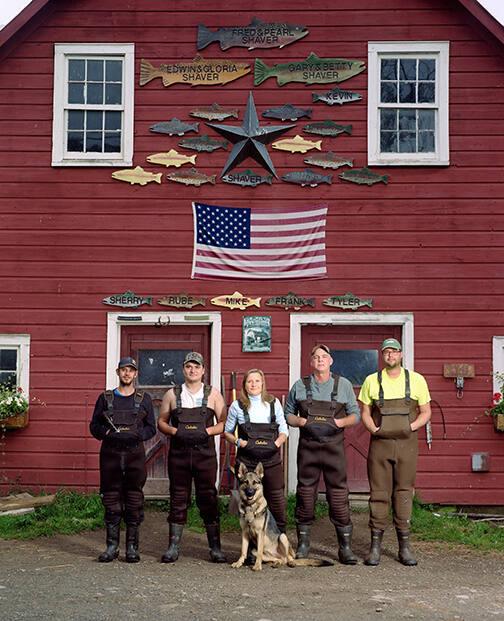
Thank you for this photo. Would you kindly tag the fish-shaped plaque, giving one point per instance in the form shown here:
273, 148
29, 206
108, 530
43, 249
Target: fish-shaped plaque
136, 175
313, 70
327, 128
298, 144
128, 299
290, 300
171, 158
287, 111
306, 177
257, 34
328, 160
349, 301
182, 300
236, 300
336, 96
203, 143
198, 72
214, 112
363, 176
191, 177
175, 127
247, 178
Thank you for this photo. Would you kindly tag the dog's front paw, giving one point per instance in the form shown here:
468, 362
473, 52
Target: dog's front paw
257, 567
238, 563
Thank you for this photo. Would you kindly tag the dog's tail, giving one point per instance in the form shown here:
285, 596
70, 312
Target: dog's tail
310, 562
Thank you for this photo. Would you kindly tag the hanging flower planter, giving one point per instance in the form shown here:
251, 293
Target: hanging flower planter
496, 409
13, 408
18, 421
498, 421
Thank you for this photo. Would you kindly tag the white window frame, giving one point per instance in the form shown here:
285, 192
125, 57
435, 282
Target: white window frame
497, 360
64, 51
381, 49
21, 343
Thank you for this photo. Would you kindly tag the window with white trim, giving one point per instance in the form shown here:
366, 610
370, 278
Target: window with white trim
498, 360
408, 103
15, 360
93, 104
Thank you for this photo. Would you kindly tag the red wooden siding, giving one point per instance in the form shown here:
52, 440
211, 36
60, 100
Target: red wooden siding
430, 243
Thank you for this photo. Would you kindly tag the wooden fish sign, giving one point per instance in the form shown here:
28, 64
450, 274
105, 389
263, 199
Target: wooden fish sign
171, 158
363, 176
198, 72
313, 70
136, 175
349, 301
298, 144
247, 178
182, 300
128, 299
290, 300
191, 177
328, 160
236, 300
214, 112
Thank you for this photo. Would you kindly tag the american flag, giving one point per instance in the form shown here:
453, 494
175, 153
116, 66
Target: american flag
274, 243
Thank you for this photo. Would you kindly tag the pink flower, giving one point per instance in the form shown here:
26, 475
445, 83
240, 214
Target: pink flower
497, 397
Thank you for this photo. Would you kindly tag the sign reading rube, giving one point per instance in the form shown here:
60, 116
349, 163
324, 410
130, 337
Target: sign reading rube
128, 299
236, 300
349, 301
197, 72
313, 70
182, 300
290, 300
256, 333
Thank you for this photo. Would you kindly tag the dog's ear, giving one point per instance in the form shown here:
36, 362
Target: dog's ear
259, 470
242, 470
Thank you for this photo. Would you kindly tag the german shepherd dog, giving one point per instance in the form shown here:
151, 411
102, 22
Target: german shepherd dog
259, 528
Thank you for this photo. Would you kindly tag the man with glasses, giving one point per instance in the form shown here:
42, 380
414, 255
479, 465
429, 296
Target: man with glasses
395, 404
322, 405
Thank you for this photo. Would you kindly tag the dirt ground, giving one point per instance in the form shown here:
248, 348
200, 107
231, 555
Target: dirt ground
59, 579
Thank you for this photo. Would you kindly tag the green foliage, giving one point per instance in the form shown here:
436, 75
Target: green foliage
70, 513
12, 401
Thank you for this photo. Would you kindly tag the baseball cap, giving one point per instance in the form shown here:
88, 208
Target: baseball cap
194, 356
127, 361
321, 346
391, 344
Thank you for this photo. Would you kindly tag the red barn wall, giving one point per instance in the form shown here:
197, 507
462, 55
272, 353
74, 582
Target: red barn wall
429, 243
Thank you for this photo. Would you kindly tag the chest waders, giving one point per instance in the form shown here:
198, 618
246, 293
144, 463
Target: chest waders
391, 462
321, 453
192, 456
261, 447
123, 475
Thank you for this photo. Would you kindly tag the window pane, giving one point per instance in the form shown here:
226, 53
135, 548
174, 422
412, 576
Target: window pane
75, 141
407, 69
426, 142
354, 364
113, 120
75, 119
426, 69
388, 142
407, 119
113, 70
113, 93
407, 92
426, 92
112, 142
426, 119
95, 70
94, 119
95, 93
407, 142
389, 69
8, 359
7, 377
93, 142
76, 93
388, 119
388, 92
76, 70
161, 367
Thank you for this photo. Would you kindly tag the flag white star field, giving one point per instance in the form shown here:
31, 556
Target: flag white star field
266, 243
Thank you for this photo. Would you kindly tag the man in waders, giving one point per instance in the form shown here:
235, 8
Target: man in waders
123, 418
395, 404
322, 405
191, 415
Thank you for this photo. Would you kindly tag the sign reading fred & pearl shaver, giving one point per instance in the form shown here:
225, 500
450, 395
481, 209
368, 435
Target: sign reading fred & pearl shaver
256, 333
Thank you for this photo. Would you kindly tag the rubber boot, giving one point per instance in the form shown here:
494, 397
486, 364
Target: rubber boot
172, 553
345, 554
374, 555
112, 551
132, 555
405, 555
303, 535
214, 543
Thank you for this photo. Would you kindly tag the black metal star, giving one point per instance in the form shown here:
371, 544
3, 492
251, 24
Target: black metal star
249, 139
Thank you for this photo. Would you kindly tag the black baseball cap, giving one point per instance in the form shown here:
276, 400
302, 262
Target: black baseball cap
127, 361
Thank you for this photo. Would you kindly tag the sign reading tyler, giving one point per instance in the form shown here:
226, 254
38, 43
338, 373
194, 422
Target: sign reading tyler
126, 300
198, 72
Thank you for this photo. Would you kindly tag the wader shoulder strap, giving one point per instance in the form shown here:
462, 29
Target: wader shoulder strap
334, 393
381, 400
272, 413
139, 395
307, 385
245, 412
177, 391
109, 398
407, 389
204, 402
